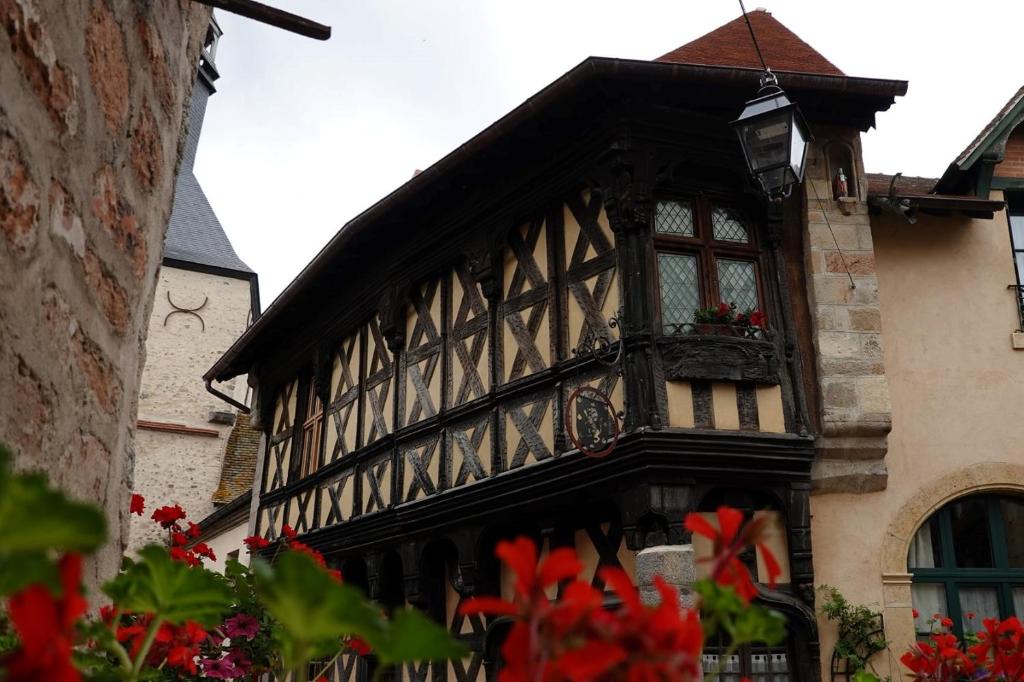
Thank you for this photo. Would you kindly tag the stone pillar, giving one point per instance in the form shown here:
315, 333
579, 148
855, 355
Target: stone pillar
91, 118
675, 564
856, 414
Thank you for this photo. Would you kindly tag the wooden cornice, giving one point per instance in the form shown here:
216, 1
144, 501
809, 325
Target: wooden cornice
170, 427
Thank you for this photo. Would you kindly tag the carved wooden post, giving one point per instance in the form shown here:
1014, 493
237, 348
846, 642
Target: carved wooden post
794, 400
628, 202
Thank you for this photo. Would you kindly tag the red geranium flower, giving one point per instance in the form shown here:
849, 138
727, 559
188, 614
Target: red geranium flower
289, 532
45, 626
203, 549
168, 515
178, 539
758, 319
255, 542
138, 504
729, 540
724, 310
185, 556
194, 530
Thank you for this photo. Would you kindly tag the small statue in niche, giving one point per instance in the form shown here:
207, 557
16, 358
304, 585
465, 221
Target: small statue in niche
840, 185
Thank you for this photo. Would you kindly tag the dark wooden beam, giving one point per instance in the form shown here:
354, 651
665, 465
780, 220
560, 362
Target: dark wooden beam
273, 16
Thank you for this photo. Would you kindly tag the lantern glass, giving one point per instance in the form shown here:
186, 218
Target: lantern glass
774, 140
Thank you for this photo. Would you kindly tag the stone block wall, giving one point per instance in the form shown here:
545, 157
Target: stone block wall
855, 410
182, 467
91, 117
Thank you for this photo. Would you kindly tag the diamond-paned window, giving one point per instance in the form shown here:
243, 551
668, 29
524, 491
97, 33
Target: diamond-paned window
680, 289
674, 218
737, 283
708, 254
727, 225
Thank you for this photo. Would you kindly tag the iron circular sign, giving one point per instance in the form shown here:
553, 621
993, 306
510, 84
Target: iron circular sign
591, 422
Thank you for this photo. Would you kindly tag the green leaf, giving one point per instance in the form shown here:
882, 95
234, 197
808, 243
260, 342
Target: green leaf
35, 517
313, 611
412, 636
757, 624
865, 676
170, 589
21, 569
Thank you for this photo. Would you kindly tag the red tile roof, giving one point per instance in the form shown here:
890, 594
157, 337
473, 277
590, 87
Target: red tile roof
878, 184
730, 45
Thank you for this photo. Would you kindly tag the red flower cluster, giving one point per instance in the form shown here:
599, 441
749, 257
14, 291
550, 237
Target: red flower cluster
168, 517
574, 638
998, 654
290, 534
46, 627
256, 543
137, 505
729, 540
177, 645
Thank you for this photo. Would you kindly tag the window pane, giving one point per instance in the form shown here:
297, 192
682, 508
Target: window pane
1013, 524
727, 225
980, 602
1018, 259
1017, 229
674, 217
1018, 602
925, 549
680, 295
737, 284
929, 599
971, 545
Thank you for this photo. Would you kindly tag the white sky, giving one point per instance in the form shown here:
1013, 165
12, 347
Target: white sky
303, 135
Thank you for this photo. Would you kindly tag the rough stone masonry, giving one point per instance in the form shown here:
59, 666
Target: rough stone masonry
94, 95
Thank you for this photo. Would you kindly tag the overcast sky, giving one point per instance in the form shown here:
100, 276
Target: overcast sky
303, 135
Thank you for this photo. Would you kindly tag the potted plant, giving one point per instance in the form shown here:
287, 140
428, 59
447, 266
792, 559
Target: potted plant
725, 320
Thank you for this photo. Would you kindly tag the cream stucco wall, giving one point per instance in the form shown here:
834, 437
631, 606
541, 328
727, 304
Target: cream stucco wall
176, 468
230, 540
957, 390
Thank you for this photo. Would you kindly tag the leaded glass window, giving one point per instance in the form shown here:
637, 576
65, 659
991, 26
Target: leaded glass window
728, 226
674, 217
737, 283
680, 289
707, 255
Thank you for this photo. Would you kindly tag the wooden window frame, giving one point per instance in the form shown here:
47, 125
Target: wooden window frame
309, 431
1000, 576
707, 250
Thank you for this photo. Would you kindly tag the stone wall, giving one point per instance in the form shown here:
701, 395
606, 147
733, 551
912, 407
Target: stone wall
94, 97
184, 466
843, 294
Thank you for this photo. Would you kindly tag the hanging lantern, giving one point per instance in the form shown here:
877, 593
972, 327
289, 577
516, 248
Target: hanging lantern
774, 137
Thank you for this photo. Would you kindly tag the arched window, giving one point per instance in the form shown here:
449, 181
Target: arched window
967, 562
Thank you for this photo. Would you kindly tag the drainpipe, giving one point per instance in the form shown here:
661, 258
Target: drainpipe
226, 398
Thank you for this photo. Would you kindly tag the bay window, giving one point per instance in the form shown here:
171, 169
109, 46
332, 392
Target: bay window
707, 254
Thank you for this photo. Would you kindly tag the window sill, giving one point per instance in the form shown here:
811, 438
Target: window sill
719, 358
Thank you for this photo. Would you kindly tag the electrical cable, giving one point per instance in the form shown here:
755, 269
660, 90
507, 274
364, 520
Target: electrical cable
753, 37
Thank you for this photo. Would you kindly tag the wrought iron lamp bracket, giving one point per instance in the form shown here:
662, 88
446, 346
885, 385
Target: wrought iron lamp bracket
599, 346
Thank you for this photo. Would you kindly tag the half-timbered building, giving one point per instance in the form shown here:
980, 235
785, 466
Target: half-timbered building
418, 383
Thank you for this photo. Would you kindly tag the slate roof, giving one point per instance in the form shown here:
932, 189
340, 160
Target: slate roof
239, 467
194, 234
730, 45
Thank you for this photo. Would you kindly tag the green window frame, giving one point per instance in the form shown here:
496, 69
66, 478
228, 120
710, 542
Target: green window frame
993, 574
